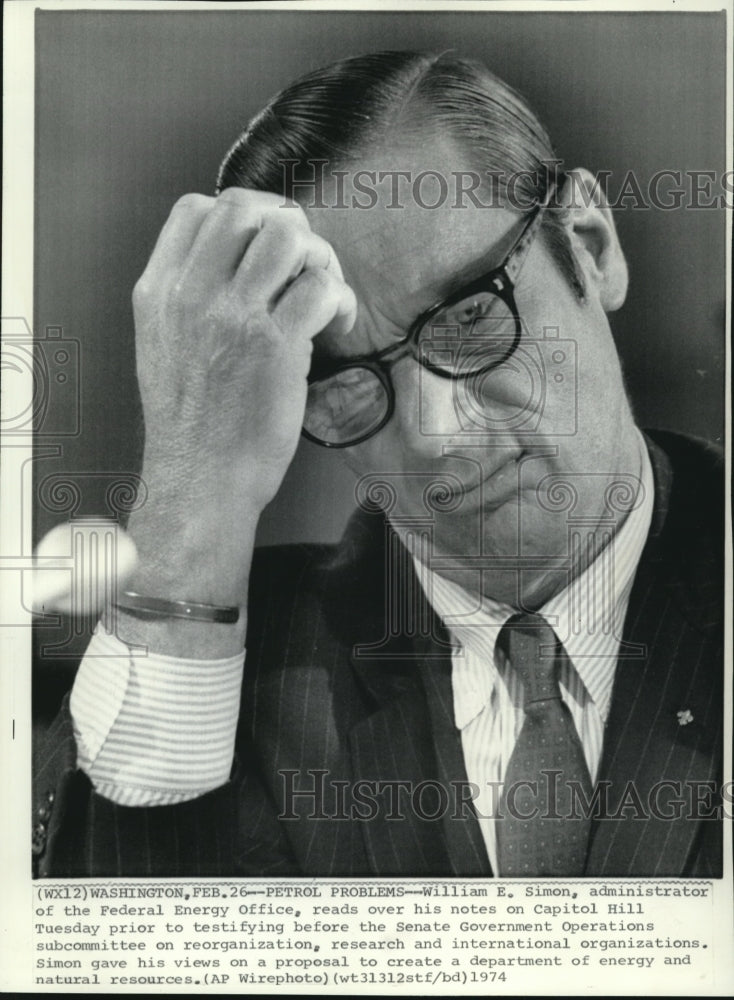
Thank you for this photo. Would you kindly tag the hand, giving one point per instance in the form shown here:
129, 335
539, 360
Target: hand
225, 312
235, 290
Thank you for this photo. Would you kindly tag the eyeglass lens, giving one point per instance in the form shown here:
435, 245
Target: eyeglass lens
347, 406
461, 339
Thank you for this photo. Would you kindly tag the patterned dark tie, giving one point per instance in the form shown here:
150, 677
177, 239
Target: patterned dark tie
547, 758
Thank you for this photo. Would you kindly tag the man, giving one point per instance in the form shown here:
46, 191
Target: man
511, 664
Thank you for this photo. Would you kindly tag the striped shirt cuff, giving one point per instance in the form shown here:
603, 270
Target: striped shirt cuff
154, 729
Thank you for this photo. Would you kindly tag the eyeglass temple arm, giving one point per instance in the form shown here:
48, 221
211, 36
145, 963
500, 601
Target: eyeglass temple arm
519, 251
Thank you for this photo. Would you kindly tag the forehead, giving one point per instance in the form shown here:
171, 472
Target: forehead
404, 226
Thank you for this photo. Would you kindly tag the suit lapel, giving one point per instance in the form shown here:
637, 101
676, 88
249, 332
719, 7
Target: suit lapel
393, 745
410, 737
466, 850
648, 743
663, 723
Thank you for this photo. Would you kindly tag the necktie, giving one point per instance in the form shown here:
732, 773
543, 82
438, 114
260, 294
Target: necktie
538, 833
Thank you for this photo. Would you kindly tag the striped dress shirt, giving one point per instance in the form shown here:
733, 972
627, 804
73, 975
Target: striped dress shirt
151, 729
156, 730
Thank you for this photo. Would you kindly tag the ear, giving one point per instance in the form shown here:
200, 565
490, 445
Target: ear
594, 237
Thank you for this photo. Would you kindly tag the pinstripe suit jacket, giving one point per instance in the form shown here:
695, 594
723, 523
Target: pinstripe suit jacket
317, 715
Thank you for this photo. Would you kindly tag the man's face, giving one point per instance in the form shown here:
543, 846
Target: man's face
497, 449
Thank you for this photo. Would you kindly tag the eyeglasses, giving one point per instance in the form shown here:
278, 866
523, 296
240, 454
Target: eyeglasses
465, 335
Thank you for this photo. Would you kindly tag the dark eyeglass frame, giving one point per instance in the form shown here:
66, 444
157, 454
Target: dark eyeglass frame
500, 281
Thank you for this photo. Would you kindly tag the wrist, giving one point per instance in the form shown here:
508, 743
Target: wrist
195, 540
194, 552
196, 560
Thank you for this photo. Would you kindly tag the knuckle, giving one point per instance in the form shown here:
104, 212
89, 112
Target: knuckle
319, 278
235, 197
181, 294
192, 202
286, 236
257, 325
141, 291
280, 212
261, 334
293, 211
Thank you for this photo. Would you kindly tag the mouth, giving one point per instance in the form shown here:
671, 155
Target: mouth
497, 487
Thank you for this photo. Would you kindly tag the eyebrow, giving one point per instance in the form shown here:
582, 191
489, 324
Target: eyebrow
490, 261
327, 363
472, 272
466, 275
463, 278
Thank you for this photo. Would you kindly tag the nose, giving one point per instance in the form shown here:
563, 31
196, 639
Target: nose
462, 427
426, 413
431, 410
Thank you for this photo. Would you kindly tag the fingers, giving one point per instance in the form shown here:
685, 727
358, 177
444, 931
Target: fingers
260, 247
316, 299
178, 234
207, 237
278, 253
268, 248
235, 219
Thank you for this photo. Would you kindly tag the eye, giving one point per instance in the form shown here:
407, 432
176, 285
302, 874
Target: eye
473, 313
468, 310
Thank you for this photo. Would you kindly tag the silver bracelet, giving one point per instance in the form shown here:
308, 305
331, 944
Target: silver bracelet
157, 607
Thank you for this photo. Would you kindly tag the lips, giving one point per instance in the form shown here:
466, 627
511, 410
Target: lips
496, 486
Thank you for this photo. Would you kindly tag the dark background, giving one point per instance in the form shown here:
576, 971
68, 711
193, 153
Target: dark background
134, 109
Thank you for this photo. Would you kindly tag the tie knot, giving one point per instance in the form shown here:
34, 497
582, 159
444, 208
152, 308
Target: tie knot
532, 648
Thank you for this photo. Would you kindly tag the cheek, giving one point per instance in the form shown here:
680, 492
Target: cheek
377, 465
426, 409
391, 468
582, 381
424, 413
601, 396
373, 456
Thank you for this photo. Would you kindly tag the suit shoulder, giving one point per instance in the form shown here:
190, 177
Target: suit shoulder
687, 450
691, 543
697, 487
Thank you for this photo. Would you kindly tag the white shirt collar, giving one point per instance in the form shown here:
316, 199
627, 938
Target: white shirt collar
588, 615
